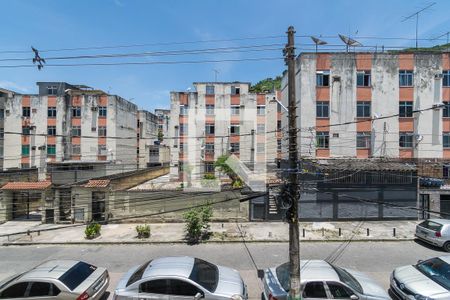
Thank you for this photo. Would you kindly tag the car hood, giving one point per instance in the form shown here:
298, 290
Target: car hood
417, 282
370, 287
230, 282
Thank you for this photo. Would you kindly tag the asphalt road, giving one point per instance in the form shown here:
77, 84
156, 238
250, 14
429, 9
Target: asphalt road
375, 258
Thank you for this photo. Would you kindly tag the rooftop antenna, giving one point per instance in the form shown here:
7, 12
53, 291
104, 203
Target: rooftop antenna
216, 72
348, 41
318, 42
416, 14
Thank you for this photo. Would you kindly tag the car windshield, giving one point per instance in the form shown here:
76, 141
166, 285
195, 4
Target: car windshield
283, 275
138, 274
348, 279
437, 270
205, 274
9, 280
77, 274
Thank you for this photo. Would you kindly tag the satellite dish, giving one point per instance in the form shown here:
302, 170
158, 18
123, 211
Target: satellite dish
318, 41
348, 41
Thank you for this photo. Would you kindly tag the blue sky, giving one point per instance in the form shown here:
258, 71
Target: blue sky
60, 24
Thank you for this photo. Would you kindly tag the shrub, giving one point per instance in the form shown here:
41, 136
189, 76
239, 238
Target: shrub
143, 231
197, 221
209, 176
92, 230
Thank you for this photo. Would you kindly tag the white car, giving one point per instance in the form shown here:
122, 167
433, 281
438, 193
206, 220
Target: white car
435, 232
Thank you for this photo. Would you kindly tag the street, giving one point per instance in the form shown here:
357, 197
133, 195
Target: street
375, 258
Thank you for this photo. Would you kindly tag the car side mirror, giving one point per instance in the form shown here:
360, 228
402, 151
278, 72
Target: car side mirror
354, 297
260, 274
198, 296
419, 261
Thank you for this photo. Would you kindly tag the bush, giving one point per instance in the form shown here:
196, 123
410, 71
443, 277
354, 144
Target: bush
209, 176
143, 231
92, 230
197, 222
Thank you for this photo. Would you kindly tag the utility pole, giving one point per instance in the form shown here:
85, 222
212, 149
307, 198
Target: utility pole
292, 215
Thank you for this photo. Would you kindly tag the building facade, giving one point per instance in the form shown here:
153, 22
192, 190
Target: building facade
222, 118
163, 123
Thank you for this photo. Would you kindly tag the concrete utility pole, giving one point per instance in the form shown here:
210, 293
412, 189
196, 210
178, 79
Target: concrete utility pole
292, 216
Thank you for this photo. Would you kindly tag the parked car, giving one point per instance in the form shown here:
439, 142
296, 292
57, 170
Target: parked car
435, 232
57, 279
182, 278
426, 280
320, 279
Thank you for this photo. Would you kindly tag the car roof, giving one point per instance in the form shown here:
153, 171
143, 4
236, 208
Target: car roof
440, 221
317, 270
179, 266
51, 269
445, 258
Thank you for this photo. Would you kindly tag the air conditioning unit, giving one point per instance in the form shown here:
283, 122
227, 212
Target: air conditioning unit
438, 76
94, 108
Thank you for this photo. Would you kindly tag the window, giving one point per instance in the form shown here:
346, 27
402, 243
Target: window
261, 129
51, 149
52, 90
209, 90
279, 125
138, 274
446, 139
209, 148
322, 109
51, 130
25, 150
25, 130
314, 290
339, 291
184, 110
363, 140
158, 286
278, 145
323, 140
235, 110
76, 112
406, 78
181, 288
183, 129
323, 78
446, 171
209, 129
2, 113
76, 130
102, 131
2, 133
446, 78
209, 109
234, 148
183, 147
76, 149
15, 291
51, 112
209, 167
363, 109
235, 90
260, 147
261, 110
405, 109
102, 111
234, 129
26, 112
42, 289
363, 78
102, 150
406, 140
446, 111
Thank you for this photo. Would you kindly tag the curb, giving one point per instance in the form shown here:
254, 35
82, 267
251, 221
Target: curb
205, 242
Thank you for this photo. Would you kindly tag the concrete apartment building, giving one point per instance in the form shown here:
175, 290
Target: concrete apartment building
387, 107
221, 118
163, 122
150, 151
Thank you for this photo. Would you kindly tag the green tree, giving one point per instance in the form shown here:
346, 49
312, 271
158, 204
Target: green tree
197, 222
267, 85
160, 136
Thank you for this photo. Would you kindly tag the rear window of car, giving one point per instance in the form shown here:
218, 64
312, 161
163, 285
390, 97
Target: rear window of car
138, 274
431, 225
205, 274
283, 275
77, 274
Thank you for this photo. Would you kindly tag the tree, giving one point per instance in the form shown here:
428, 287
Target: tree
160, 136
225, 168
267, 85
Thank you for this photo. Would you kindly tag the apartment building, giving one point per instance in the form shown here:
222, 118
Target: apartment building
150, 151
163, 123
221, 118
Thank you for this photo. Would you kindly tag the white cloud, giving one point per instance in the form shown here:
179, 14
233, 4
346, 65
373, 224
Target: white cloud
9, 85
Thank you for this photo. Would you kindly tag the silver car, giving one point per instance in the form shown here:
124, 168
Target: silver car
435, 232
322, 280
57, 279
181, 278
427, 280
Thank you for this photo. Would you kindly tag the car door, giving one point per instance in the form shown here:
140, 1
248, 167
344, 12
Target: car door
42, 290
339, 291
14, 291
154, 289
183, 290
314, 290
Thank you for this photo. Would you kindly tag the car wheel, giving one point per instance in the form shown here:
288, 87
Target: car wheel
447, 246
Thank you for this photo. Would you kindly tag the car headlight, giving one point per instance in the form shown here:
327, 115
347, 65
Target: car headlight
237, 297
420, 297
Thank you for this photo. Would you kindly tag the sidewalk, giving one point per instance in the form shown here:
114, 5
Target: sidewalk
221, 232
